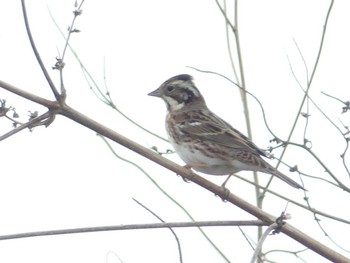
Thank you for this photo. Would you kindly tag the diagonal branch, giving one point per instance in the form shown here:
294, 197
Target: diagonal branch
29, 96
44, 119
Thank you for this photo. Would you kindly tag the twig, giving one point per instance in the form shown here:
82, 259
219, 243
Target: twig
228, 25
132, 227
37, 55
77, 12
44, 119
295, 253
98, 92
324, 166
346, 103
172, 231
261, 241
308, 85
328, 119
311, 209
227, 20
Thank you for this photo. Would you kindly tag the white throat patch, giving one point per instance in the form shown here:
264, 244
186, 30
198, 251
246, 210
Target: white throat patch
174, 104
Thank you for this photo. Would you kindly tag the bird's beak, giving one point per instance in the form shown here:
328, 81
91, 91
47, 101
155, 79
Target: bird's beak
155, 93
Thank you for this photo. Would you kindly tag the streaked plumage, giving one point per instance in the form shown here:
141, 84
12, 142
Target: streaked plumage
204, 141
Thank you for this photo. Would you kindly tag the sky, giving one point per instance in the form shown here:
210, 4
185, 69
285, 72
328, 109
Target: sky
64, 176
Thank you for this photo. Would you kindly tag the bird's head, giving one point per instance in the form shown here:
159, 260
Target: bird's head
179, 93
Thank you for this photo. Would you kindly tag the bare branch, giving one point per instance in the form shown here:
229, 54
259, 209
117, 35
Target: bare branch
37, 55
77, 12
170, 228
29, 96
311, 209
133, 227
261, 241
308, 85
45, 119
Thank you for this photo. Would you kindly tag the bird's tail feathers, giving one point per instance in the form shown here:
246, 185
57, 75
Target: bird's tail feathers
286, 179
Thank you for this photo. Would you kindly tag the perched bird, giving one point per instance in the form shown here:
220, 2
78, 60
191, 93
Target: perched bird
203, 140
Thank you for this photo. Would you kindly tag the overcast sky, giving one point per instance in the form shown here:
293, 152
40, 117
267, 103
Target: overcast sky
64, 176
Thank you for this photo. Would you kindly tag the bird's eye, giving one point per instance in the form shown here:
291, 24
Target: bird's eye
170, 88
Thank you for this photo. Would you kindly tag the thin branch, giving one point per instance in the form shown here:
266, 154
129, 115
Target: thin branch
171, 230
241, 81
346, 107
261, 241
311, 209
324, 166
308, 85
321, 43
227, 20
71, 29
259, 196
250, 94
287, 142
44, 119
295, 253
111, 103
228, 25
133, 227
77, 12
318, 222
106, 99
326, 117
346, 103
37, 55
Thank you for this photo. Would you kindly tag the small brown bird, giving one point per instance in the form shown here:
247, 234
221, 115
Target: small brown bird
204, 141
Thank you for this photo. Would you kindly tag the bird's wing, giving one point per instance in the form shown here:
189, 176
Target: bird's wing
212, 128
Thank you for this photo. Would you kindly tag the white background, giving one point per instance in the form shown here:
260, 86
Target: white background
64, 176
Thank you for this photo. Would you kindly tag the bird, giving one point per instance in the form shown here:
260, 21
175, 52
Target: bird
203, 140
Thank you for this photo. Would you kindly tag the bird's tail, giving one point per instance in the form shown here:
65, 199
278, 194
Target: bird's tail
285, 178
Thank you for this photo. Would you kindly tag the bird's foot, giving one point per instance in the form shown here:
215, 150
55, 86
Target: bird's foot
224, 183
226, 191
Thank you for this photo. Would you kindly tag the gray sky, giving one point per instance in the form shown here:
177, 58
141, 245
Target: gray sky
64, 176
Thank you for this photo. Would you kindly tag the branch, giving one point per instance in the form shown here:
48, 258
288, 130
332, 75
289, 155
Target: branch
170, 228
133, 227
261, 241
45, 119
37, 55
311, 209
29, 96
